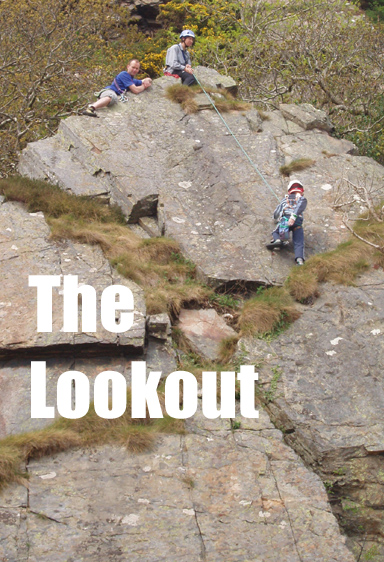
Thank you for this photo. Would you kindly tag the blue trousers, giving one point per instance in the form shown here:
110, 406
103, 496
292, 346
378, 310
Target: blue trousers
297, 238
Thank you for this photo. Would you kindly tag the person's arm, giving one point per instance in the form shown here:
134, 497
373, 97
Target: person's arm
300, 208
188, 66
278, 210
144, 84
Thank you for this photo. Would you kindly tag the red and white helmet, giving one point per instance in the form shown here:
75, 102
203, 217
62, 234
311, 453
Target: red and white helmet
295, 185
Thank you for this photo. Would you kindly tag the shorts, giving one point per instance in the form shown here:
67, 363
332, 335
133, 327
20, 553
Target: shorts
109, 94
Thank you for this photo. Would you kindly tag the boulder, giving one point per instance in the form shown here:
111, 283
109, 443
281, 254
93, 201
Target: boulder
27, 250
307, 116
204, 330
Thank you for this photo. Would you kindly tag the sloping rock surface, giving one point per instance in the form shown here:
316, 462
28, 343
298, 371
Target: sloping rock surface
151, 158
27, 250
329, 396
107, 504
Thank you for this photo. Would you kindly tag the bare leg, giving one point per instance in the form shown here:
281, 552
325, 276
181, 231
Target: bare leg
102, 102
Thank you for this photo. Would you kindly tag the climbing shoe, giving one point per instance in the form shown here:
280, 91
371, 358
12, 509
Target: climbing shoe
277, 244
90, 112
299, 261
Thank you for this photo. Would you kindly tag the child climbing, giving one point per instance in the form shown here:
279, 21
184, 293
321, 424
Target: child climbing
289, 213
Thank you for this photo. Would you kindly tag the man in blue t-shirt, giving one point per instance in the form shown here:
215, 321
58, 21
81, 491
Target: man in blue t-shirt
122, 83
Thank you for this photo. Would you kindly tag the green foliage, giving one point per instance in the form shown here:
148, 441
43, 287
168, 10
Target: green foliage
225, 301
371, 553
270, 394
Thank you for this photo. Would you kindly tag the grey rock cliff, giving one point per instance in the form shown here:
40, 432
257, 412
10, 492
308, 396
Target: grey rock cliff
215, 494
151, 158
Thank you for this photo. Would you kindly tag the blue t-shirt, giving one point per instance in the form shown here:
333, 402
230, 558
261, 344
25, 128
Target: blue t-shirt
123, 80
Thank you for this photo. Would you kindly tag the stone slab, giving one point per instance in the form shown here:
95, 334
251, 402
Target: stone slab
27, 250
204, 330
210, 496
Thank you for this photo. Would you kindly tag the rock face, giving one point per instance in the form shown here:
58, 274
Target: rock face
212, 495
27, 250
329, 397
219, 493
204, 330
152, 159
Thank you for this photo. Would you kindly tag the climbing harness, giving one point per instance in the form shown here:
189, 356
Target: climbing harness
234, 136
284, 228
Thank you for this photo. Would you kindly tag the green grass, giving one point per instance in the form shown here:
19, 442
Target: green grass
270, 394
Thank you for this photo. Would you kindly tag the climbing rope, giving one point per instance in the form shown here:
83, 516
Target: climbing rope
234, 136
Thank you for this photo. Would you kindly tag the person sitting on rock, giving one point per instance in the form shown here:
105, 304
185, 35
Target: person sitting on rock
122, 83
289, 213
178, 60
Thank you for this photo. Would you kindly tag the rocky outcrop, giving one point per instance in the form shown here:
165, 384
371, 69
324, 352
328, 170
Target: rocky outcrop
214, 494
152, 159
328, 395
320, 381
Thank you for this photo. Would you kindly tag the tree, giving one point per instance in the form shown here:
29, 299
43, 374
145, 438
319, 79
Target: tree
50, 54
323, 52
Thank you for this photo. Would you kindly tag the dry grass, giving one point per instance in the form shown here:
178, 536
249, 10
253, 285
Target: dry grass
268, 313
179, 93
296, 166
167, 279
135, 434
263, 116
341, 266
54, 202
227, 348
185, 96
230, 104
155, 264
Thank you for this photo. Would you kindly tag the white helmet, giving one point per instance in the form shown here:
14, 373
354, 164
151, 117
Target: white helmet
187, 33
295, 185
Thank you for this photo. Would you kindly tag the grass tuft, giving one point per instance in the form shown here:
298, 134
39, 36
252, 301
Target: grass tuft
227, 348
296, 166
179, 93
268, 313
54, 202
185, 96
341, 266
136, 435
